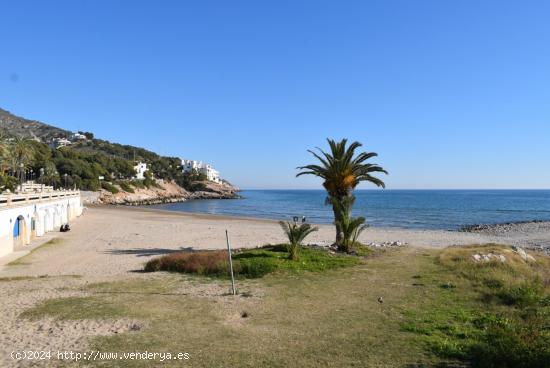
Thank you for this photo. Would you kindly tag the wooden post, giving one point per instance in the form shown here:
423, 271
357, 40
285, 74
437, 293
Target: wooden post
230, 263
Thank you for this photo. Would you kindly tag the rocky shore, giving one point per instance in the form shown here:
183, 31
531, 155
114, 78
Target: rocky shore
529, 234
167, 192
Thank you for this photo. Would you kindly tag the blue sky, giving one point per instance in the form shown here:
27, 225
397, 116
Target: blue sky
451, 94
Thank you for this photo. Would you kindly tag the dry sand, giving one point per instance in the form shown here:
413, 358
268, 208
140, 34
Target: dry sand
112, 241
109, 243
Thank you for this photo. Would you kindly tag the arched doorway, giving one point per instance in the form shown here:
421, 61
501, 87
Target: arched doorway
19, 232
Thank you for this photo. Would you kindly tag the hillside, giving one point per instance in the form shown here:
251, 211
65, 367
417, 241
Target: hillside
93, 164
16, 126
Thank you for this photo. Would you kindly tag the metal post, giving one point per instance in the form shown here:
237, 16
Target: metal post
230, 264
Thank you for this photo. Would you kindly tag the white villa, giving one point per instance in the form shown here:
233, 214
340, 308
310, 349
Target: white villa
206, 169
60, 142
140, 168
78, 137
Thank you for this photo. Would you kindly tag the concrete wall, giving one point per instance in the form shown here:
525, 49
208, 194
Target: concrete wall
39, 218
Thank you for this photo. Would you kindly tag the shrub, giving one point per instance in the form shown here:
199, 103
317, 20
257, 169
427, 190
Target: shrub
90, 184
126, 187
109, 187
513, 342
137, 184
196, 187
8, 182
250, 263
296, 235
253, 268
351, 227
201, 263
524, 295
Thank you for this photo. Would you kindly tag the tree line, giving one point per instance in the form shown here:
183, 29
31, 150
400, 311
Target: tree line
84, 165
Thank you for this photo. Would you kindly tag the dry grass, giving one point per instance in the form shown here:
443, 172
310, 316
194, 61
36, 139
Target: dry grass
514, 271
313, 319
331, 319
201, 263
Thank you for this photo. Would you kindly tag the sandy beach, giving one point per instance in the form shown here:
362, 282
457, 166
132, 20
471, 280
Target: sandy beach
113, 243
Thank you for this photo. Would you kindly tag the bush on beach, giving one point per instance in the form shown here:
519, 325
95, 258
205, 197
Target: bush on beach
250, 263
200, 263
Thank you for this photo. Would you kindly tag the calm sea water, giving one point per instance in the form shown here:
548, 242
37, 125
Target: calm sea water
424, 209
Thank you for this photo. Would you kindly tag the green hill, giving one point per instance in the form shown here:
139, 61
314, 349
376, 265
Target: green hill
80, 164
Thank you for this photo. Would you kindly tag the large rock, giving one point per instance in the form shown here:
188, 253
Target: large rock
211, 190
168, 193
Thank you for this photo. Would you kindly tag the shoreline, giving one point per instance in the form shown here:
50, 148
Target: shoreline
470, 228
198, 215
111, 240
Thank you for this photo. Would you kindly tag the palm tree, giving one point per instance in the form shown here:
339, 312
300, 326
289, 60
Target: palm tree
341, 171
351, 227
3, 153
21, 152
296, 235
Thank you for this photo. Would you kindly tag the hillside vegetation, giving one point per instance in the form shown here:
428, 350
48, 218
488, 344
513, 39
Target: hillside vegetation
25, 154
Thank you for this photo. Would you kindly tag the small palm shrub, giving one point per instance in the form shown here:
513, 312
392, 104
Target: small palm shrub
296, 235
351, 227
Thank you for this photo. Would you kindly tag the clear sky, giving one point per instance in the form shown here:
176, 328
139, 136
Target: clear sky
451, 94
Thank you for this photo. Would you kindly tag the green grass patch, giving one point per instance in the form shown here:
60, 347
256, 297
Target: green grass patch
363, 250
250, 263
496, 314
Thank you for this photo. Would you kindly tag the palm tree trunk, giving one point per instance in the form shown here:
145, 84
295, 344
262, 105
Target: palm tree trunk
339, 235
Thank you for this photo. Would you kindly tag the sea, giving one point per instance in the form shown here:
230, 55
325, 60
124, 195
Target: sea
412, 209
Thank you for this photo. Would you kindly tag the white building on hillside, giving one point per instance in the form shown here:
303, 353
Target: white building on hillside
78, 137
206, 169
140, 168
60, 142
